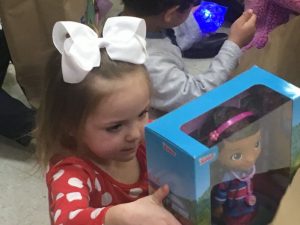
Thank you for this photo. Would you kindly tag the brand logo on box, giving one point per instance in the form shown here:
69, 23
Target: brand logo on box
206, 158
169, 150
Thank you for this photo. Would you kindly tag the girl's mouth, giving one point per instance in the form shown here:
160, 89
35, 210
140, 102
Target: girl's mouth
129, 149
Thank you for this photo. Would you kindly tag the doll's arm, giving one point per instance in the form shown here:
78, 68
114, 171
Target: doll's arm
219, 198
218, 212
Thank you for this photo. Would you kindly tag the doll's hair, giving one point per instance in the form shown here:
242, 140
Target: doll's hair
155, 7
262, 98
65, 107
233, 122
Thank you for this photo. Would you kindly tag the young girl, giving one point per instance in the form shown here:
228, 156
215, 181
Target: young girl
233, 200
90, 127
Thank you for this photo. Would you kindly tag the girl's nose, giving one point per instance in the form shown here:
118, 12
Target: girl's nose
134, 132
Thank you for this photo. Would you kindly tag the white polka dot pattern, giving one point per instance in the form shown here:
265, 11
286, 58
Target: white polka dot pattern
58, 174
89, 184
135, 192
74, 196
78, 188
59, 195
97, 185
77, 166
106, 199
73, 214
95, 213
75, 182
56, 215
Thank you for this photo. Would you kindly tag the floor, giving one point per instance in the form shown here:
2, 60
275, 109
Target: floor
23, 199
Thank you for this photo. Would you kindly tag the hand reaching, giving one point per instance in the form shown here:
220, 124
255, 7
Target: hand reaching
146, 211
243, 29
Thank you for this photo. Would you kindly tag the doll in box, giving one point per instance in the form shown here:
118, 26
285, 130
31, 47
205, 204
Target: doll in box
238, 135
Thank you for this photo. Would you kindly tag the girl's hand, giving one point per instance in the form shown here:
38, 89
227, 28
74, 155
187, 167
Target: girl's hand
146, 211
243, 29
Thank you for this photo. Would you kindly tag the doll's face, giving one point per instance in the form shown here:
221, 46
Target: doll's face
241, 154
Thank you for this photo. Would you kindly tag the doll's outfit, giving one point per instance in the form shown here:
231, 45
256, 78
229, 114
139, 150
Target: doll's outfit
172, 84
80, 192
270, 14
233, 195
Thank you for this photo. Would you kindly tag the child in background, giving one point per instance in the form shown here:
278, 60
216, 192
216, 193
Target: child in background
270, 14
90, 127
238, 135
172, 84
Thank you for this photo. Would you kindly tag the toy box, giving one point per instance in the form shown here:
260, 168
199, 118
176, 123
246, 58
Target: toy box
179, 153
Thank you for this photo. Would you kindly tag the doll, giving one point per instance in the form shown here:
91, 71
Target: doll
270, 14
233, 200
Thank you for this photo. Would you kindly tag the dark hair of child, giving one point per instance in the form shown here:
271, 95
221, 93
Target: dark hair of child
155, 7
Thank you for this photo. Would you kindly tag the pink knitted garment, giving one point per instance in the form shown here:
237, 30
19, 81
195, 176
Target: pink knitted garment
270, 14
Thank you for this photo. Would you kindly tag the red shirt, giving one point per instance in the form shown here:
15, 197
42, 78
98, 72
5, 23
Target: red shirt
80, 192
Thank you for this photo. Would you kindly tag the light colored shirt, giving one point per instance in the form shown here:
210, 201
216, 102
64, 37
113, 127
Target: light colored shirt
172, 84
188, 33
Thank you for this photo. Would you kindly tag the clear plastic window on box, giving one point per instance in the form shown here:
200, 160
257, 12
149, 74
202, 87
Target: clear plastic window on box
252, 168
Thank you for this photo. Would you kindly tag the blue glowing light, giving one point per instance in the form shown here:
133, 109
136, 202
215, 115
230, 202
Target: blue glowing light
210, 16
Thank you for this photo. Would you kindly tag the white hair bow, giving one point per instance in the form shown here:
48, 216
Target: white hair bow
123, 38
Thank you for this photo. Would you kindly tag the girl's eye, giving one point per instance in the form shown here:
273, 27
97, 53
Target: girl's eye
144, 113
114, 128
257, 145
237, 156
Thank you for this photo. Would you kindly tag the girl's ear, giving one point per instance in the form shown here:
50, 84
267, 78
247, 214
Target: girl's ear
171, 14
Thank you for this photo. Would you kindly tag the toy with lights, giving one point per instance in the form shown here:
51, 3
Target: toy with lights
210, 16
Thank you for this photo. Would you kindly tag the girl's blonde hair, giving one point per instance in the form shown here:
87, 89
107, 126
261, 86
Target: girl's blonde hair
65, 107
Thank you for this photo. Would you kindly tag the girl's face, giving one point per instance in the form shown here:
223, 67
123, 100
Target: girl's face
116, 128
241, 154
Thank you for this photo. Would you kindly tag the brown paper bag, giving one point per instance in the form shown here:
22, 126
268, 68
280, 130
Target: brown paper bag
28, 26
281, 55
